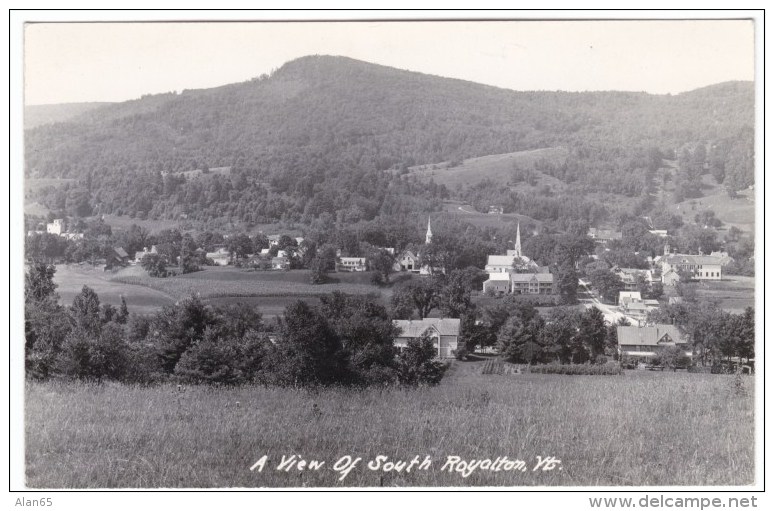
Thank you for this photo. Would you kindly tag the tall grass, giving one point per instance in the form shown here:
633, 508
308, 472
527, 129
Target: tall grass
637, 429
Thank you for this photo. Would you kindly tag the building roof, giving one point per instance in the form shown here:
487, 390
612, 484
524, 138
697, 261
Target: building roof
608, 234
499, 276
693, 259
649, 335
279, 260
354, 259
416, 327
121, 252
500, 260
629, 295
528, 277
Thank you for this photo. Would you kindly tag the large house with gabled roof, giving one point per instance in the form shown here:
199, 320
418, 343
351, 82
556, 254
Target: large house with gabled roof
444, 332
647, 341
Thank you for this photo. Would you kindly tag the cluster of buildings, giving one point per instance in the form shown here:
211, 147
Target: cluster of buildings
638, 343
702, 267
58, 227
515, 273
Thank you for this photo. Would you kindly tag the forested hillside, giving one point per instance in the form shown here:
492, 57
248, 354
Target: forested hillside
39, 115
318, 135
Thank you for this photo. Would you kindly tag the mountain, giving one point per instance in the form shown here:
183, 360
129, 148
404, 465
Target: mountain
38, 115
317, 135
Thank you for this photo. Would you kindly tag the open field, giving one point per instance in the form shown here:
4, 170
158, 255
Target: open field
71, 278
738, 212
467, 214
222, 282
497, 167
734, 293
606, 430
270, 291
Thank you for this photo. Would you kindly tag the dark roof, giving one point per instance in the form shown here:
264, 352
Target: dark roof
650, 335
529, 277
693, 259
121, 252
416, 327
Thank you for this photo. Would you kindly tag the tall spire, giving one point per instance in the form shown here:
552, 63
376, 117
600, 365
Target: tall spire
517, 247
429, 235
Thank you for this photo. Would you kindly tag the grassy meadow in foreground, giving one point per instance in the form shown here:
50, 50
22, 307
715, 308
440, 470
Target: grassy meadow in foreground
637, 429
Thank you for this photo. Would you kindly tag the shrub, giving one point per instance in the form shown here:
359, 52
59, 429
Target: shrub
461, 353
417, 364
609, 368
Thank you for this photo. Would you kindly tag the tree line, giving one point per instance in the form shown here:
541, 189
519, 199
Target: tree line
346, 340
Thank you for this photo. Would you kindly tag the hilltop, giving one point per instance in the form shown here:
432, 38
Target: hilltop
317, 135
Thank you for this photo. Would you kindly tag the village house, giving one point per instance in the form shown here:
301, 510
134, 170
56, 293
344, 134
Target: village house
56, 227
631, 277
604, 235
352, 264
633, 306
280, 263
498, 283
659, 232
273, 239
407, 261
140, 254
495, 210
444, 332
532, 283
221, 256
647, 341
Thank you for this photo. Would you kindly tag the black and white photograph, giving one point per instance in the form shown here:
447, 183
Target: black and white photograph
388, 253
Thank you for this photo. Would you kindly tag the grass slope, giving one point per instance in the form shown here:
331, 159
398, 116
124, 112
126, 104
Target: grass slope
496, 167
629, 430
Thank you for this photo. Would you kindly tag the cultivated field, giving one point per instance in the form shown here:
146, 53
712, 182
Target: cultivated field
223, 282
270, 291
642, 428
734, 293
71, 278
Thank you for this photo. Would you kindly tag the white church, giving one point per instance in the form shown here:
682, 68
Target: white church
516, 273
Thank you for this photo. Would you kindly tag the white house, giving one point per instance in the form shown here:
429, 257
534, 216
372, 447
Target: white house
220, 257
56, 227
280, 263
139, 255
273, 240
352, 264
498, 283
702, 267
444, 332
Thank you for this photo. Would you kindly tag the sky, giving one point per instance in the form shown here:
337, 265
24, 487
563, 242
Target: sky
81, 62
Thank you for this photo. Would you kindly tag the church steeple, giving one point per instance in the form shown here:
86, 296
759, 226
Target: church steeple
517, 247
429, 235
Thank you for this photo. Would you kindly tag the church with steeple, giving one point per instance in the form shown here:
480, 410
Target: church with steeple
429, 234
516, 273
